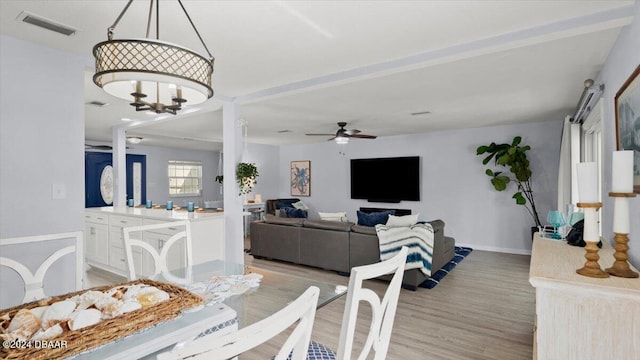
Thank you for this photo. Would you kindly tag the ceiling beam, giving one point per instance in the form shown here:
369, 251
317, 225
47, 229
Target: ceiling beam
599, 21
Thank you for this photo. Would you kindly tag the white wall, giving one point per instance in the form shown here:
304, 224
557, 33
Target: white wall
41, 144
454, 187
267, 159
41, 139
622, 60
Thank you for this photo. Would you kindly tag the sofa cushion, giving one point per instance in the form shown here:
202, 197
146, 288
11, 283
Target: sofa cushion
272, 219
438, 227
294, 213
373, 219
402, 221
337, 216
328, 225
367, 230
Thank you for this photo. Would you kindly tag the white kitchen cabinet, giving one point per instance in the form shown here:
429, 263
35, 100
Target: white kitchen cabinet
96, 238
105, 244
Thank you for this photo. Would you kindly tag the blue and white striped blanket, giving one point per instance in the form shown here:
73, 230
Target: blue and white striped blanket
418, 238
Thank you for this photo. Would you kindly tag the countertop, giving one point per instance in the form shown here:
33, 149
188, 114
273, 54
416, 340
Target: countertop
160, 214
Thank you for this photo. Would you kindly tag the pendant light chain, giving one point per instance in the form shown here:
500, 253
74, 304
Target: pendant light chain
113, 27
149, 18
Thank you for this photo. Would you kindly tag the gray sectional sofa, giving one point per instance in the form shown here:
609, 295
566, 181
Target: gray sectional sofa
335, 245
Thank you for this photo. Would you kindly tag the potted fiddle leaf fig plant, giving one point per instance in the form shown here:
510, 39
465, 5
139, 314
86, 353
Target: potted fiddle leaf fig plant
246, 175
513, 157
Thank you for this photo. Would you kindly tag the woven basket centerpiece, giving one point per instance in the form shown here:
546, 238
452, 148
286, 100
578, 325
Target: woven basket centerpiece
73, 342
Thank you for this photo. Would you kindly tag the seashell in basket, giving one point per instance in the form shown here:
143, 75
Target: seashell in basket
5, 319
116, 292
55, 330
58, 311
151, 296
83, 318
129, 306
39, 311
110, 307
24, 324
133, 291
88, 299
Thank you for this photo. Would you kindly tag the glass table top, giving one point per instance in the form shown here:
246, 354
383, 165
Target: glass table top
276, 290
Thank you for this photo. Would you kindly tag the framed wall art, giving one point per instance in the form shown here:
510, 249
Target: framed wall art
301, 178
627, 104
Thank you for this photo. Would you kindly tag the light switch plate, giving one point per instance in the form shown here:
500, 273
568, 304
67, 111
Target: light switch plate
58, 191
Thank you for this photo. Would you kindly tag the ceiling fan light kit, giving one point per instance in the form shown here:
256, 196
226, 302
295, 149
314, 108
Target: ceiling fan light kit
158, 76
134, 139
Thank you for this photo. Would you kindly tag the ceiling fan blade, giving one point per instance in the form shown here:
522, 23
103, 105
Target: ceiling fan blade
320, 134
331, 138
98, 147
363, 136
352, 132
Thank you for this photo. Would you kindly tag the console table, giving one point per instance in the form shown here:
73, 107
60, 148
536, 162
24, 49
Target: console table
579, 317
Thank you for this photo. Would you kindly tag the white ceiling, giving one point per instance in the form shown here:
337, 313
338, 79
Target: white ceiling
305, 65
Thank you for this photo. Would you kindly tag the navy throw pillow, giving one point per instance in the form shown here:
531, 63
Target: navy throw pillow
295, 213
373, 219
285, 203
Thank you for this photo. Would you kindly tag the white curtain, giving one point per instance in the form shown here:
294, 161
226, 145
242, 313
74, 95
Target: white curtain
569, 156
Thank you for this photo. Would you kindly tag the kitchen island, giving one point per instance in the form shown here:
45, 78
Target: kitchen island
105, 246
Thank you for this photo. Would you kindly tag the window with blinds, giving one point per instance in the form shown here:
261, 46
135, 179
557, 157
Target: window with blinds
185, 178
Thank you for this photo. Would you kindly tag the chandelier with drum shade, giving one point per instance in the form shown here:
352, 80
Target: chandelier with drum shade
156, 76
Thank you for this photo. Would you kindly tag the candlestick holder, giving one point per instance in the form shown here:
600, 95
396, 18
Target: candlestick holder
621, 267
591, 267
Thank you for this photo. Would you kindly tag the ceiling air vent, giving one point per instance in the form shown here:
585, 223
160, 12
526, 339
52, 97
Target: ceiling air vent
46, 23
98, 103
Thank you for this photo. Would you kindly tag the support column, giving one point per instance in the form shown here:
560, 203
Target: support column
232, 148
119, 167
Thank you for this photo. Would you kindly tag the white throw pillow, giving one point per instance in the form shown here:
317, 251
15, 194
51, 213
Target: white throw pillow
338, 216
402, 221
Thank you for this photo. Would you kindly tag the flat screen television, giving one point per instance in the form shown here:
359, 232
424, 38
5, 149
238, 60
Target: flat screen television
386, 179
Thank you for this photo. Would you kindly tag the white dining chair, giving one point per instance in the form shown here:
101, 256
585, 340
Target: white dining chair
133, 237
383, 311
56, 245
301, 310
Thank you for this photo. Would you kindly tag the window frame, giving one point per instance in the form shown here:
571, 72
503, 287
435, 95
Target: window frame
177, 163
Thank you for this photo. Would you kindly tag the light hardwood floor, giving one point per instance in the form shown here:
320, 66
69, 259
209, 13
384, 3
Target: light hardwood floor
484, 309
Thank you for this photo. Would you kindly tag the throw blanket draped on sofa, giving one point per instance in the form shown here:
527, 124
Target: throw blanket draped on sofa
418, 238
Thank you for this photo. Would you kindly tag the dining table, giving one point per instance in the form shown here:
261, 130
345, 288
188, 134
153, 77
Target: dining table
218, 316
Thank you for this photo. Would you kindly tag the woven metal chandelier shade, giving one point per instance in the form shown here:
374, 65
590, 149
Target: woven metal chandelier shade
158, 76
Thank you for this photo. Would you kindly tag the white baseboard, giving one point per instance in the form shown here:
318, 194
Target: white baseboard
497, 249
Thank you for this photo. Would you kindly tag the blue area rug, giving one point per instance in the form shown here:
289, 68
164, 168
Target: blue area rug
461, 253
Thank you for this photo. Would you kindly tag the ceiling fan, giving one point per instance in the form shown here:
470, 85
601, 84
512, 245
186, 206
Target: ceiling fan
342, 135
99, 147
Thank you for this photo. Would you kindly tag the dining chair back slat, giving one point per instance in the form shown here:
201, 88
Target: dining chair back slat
302, 310
34, 281
159, 256
383, 310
